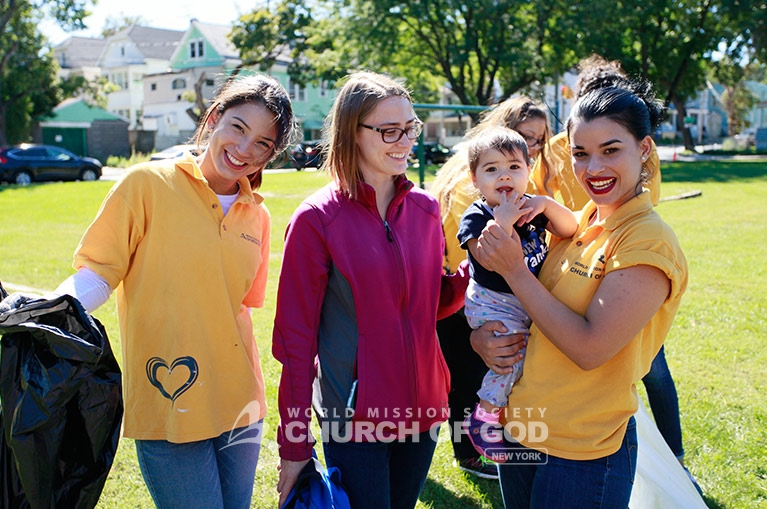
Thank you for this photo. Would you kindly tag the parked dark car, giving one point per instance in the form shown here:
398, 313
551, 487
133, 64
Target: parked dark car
24, 164
307, 154
434, 153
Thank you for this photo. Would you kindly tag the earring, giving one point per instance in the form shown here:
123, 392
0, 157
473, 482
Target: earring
644, 174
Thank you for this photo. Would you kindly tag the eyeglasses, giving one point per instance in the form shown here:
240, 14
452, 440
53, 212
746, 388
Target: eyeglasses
532, 141
394, 134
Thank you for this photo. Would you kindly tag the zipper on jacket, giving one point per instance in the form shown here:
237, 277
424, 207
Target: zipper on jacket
388, 231
406, 287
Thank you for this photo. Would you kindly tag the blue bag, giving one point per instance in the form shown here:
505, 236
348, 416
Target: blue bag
317, 488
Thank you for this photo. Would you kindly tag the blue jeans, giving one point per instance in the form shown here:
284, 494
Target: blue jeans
664, 404
382, 475
214, 473
601, 483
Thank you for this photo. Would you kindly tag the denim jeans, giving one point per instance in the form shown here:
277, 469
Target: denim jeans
214, 473
382, 475
601, 483
664, 404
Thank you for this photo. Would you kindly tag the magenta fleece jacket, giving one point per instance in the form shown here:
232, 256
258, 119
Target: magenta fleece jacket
357, 306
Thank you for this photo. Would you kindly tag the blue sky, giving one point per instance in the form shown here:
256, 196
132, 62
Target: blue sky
172, 14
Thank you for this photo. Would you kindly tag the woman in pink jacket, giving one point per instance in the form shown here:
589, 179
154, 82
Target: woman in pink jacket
361, 288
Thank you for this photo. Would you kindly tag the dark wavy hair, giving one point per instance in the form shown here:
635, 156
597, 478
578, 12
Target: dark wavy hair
597, 72
633, 107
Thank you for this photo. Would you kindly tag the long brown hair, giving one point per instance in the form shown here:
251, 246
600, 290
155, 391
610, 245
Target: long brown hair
358, 97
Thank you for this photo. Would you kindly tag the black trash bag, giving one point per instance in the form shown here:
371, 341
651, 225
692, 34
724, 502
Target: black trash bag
61, 405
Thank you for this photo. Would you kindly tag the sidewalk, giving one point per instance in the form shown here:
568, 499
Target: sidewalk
667, 153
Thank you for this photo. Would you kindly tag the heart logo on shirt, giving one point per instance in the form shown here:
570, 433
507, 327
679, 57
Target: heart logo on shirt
170, 382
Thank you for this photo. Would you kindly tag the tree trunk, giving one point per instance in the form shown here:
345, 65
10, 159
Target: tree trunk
687, 140
199, 101
3, 136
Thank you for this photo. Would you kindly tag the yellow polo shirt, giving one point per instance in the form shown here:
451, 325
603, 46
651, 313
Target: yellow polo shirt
185, 276
461, 196
563, 180
558, 407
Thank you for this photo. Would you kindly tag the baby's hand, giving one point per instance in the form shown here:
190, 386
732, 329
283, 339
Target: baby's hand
511, 208
535, 205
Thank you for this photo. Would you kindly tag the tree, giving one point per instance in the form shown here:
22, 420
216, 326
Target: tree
113, 25
263, 35
486, 50
750, 19
28, 85
669, 42
736, 98
472, 46
476, 47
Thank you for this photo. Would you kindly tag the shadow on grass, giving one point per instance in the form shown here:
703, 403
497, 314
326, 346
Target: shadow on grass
713, 503
5, 185
713, 171
436, 495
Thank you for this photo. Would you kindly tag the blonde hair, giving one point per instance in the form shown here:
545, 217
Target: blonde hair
358, 97
450, 177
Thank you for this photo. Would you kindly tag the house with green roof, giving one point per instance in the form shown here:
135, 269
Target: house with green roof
86, 130
127, 56
199, 64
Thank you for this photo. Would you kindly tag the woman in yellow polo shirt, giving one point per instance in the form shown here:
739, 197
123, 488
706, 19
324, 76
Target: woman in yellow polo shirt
601, 310
185, 243
557, 179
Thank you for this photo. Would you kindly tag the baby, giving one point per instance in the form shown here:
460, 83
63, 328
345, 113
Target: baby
500, 169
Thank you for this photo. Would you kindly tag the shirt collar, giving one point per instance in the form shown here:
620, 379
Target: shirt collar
367, 195
636, 206
188, 163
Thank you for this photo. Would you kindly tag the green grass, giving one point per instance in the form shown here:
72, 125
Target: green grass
715, 349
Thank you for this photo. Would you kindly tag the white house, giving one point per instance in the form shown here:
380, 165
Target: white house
128, 56
203, 55
79, 56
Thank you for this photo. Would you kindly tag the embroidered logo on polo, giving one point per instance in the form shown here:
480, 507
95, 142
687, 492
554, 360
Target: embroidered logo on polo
596, 271
170, 386
250, 238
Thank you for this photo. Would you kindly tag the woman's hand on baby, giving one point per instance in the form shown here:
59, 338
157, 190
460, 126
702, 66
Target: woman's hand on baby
500, 352
499, 250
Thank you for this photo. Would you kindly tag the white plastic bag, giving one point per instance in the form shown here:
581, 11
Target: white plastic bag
660, 482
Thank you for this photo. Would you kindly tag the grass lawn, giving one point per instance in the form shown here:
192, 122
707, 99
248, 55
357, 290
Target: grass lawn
715, 349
